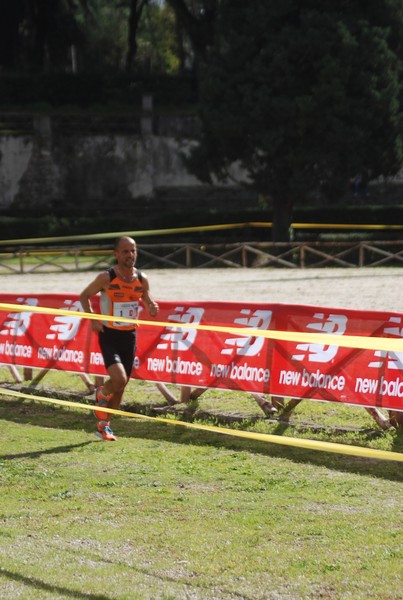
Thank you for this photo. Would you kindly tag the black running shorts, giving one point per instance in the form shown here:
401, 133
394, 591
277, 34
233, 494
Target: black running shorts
118, 347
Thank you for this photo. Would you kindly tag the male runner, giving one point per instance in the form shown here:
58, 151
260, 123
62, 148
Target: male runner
121, 288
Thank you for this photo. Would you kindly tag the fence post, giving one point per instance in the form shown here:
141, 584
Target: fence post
302, 256
188, 254
244, 256
147, 115
361, 255
21, 260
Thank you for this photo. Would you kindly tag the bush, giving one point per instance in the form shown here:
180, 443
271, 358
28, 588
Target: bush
71, 223
83, 90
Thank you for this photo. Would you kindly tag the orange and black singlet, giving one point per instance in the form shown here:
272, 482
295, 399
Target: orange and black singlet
121, 299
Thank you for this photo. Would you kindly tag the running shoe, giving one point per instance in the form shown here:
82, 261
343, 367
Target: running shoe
105, 432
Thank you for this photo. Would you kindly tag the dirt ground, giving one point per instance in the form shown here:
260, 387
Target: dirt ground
366, 288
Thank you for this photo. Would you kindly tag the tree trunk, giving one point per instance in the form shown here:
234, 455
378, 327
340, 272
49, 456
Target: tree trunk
282, 215
200, 30
136, 8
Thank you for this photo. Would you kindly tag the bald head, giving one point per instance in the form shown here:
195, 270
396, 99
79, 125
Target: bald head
123, 240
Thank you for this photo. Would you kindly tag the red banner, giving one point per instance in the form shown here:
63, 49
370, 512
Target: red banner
189, 356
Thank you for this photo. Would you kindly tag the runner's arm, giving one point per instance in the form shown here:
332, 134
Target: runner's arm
147, 299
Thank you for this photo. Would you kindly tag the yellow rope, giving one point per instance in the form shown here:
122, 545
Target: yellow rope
261, 437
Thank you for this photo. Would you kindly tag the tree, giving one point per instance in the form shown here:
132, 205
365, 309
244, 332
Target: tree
302, 94
129, 35
158, 51
197, 18
107, 35
53, 30
37, 33
11, 15
136, 9
103, 46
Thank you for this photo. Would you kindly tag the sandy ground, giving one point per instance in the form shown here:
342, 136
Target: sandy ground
367, 288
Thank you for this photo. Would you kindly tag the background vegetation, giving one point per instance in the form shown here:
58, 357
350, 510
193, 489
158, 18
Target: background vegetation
14, 226
304, 96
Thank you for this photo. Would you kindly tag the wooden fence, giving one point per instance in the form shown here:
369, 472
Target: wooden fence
292, 255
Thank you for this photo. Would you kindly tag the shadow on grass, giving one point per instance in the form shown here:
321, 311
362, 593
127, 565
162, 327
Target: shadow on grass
73, 419
38, 453
39, 585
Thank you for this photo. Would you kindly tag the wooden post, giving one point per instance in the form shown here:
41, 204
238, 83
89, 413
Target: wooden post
166, 393
28, 373
15, 373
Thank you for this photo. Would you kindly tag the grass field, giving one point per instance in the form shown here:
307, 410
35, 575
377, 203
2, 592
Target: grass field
174, 513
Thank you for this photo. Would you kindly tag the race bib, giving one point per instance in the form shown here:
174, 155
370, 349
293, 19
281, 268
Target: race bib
127, 310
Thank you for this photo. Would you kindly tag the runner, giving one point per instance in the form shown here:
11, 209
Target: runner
121, 288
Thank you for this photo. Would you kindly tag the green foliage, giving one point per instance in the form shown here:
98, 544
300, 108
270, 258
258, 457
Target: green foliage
157, 41
303, 96
88, 36
104, 41
71, 223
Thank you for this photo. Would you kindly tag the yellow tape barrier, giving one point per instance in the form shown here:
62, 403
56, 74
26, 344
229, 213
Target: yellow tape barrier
201, 228
345, 341
342, 226
261, 437
140, 233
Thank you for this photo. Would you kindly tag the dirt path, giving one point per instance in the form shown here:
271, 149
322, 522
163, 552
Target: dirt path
368, 289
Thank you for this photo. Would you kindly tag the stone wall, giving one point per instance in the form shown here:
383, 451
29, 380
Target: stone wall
88, 161
84, 162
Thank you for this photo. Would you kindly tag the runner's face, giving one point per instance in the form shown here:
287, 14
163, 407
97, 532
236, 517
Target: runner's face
126, 254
